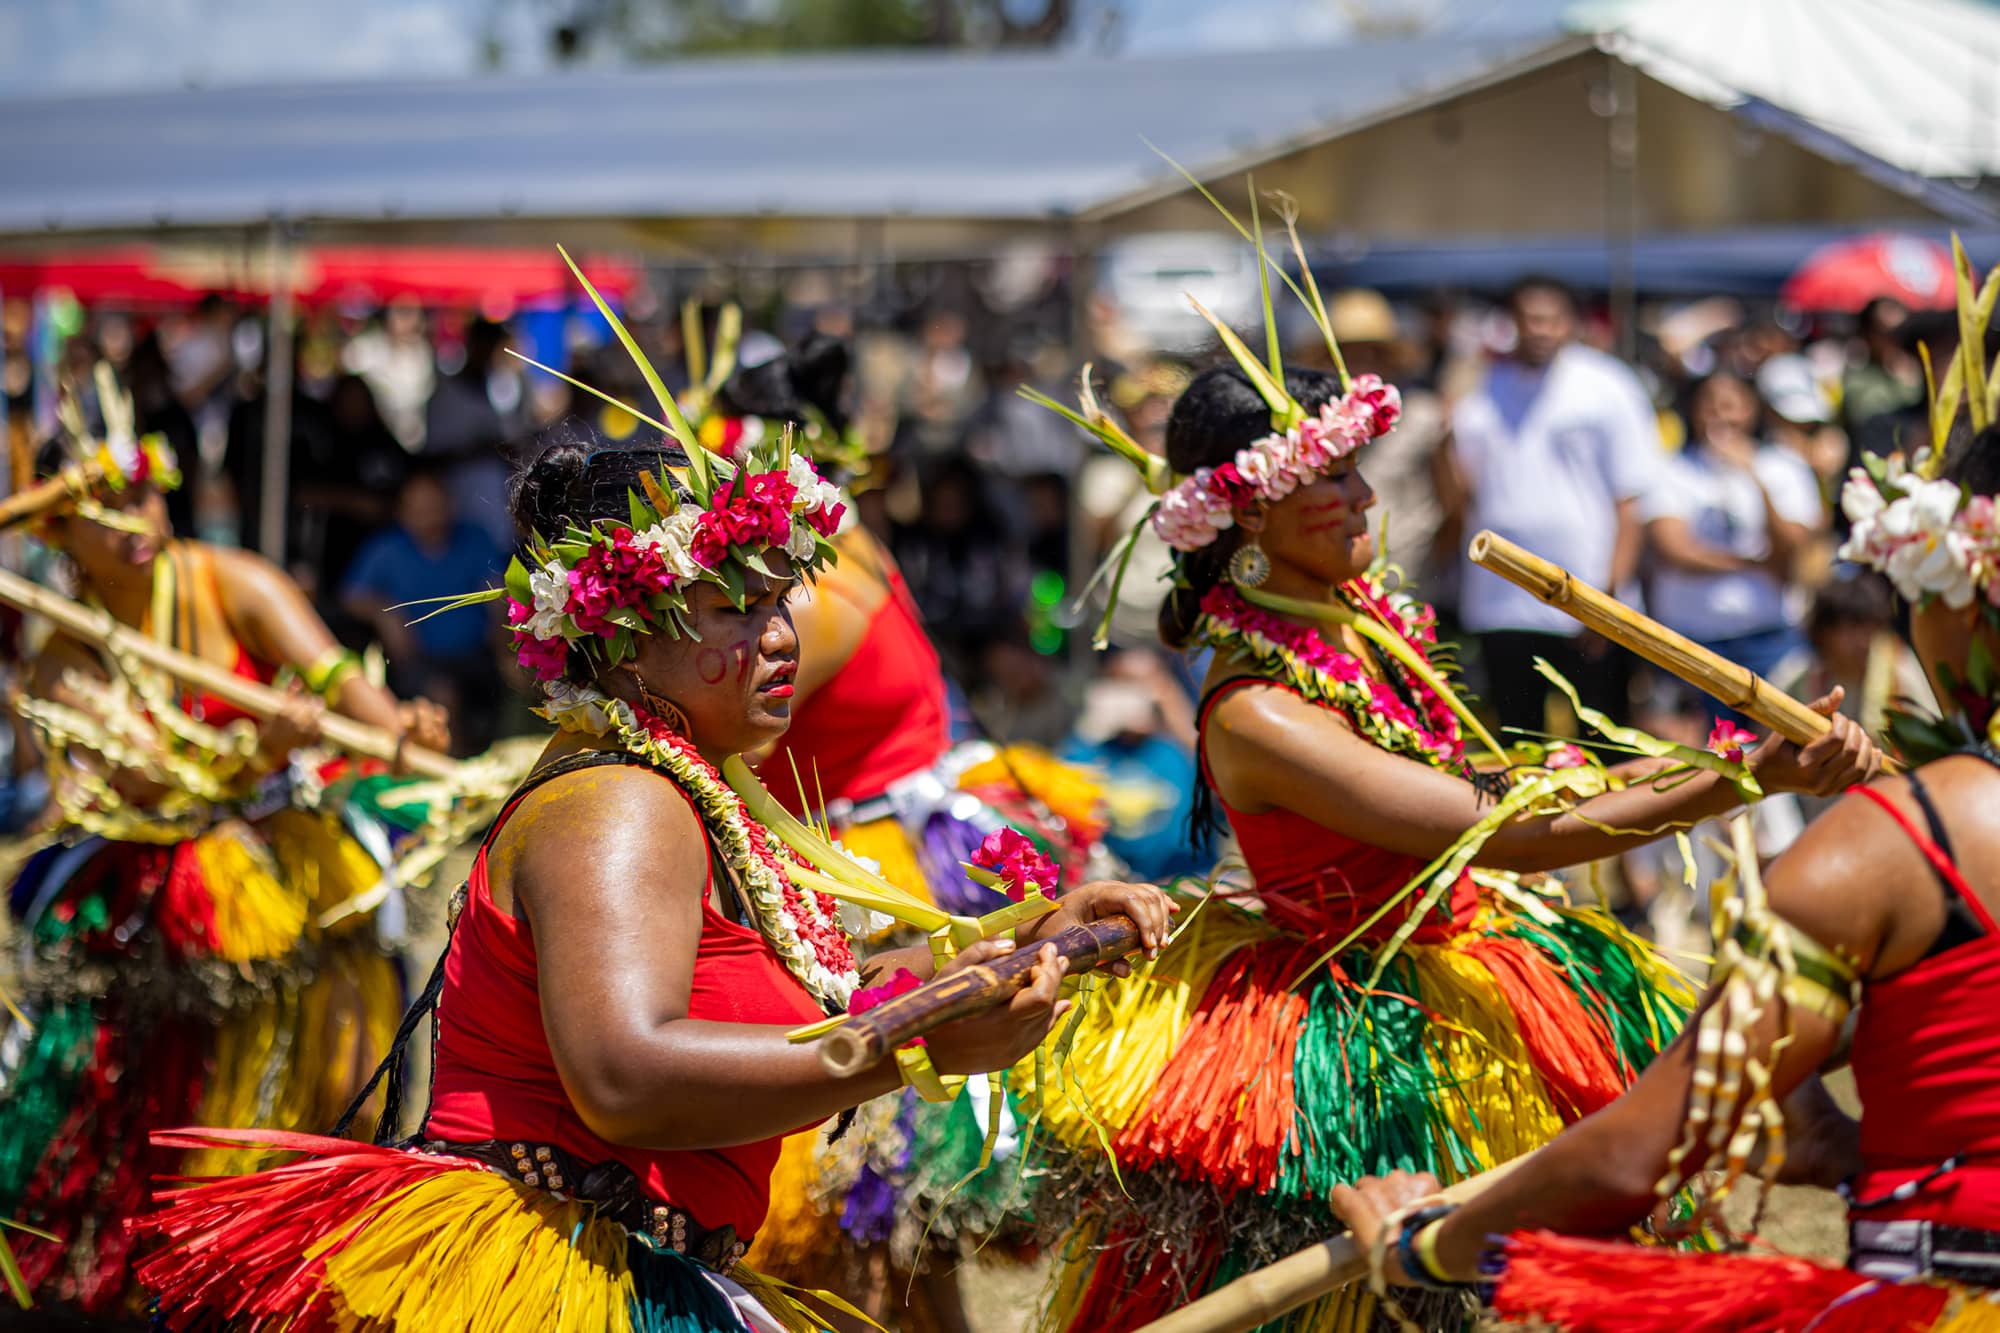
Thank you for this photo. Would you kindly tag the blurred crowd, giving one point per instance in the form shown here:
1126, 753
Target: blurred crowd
1698, 477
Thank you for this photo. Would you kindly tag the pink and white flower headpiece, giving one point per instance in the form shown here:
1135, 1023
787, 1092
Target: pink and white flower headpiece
1197, 509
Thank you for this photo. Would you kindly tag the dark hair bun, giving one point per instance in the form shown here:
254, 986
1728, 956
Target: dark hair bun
577, 478
542, 503
810, 376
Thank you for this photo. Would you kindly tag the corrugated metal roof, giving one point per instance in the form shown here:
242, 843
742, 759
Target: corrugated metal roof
921, 135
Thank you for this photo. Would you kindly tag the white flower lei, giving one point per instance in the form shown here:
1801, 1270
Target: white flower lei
826, 971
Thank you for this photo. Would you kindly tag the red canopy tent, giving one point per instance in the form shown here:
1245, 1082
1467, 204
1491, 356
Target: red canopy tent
494, 281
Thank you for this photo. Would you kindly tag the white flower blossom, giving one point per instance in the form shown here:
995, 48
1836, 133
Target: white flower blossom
671, 537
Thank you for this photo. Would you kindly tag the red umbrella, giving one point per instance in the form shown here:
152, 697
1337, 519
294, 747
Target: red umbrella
1847, 275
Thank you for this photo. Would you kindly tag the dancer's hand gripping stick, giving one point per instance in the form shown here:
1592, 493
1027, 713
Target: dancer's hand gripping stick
865, 1039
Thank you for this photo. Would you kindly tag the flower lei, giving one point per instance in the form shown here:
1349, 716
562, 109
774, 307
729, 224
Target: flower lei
1927, 535
803, 928
1301, 657
1195, 511
601, 585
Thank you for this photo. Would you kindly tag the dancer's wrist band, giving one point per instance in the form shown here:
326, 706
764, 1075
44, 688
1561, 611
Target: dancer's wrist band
1416, 1249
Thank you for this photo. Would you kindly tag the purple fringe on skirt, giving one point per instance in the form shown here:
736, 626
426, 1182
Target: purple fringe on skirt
948, 841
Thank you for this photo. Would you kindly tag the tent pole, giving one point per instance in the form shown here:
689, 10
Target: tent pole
1621, 212
276, 490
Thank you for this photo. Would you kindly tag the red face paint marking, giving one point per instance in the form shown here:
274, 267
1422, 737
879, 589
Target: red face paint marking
1336, 507
745, 655
712, 664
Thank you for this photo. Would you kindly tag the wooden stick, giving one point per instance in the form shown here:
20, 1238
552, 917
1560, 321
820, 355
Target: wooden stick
863, 1040
1264, 1294
99, 629
1736, 685
32, 502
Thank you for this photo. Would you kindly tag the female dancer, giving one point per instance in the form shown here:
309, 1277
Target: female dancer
1891, 897
613, 1074
175, 967
1398, 994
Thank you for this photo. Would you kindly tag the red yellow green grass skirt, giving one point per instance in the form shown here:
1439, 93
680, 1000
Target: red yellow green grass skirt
1190, 1126
1587, 1286
353, 1238
175, 984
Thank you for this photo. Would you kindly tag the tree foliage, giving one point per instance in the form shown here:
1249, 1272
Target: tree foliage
662, 29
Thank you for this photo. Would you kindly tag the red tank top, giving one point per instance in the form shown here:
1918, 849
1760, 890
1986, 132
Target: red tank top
217, 712
881, 718
496, 1078
1927, 1067
1322, 884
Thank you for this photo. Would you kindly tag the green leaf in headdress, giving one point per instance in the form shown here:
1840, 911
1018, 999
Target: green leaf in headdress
599, 394
517, 583
677, 424
1284, 412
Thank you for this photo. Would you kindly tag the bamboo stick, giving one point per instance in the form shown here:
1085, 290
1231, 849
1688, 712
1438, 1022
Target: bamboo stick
863, 1040
1263, 1294
259, 700
32, 502
1734, 684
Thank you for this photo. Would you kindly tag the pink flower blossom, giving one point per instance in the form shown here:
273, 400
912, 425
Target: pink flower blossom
826, 519
546, 659
1727, 740
614, 575
1016, 861
1565, 756
868, 997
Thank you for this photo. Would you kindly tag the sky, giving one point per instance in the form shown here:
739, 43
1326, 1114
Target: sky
54, 46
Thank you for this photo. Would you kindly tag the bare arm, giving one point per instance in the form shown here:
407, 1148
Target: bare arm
1627, 545
1841, 883
1677, 545
617, 920
1269, 749
278, 624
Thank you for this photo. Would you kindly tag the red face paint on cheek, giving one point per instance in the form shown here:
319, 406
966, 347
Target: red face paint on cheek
711, 664
1335, 511
745, 654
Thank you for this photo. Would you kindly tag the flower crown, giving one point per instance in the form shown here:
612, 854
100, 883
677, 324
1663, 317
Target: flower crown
1929, 536
1193, 511
599, 586
1197, 509
122, 457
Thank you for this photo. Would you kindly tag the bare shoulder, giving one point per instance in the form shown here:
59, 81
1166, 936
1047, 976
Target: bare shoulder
599, 829
1260, 712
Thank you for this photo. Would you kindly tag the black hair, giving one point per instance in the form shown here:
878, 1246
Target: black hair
1218, 414
575, 477
1973, 461
1694, 389
52, 457
1541, 282
1865, 599
809, 377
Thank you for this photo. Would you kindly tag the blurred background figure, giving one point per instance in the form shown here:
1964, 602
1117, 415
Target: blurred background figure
1885, 379
429, 554
472, 414
396, 358
1553, 451
1728, 520
1136, 728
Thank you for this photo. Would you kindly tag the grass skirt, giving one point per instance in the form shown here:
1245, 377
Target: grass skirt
1206, 1105
351, 1237
1586, 1286
175, 984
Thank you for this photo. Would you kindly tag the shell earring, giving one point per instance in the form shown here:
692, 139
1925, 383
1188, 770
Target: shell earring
1249, 566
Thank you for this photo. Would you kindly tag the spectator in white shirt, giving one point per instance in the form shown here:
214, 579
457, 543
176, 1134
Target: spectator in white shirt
1724, 526
1553, 451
